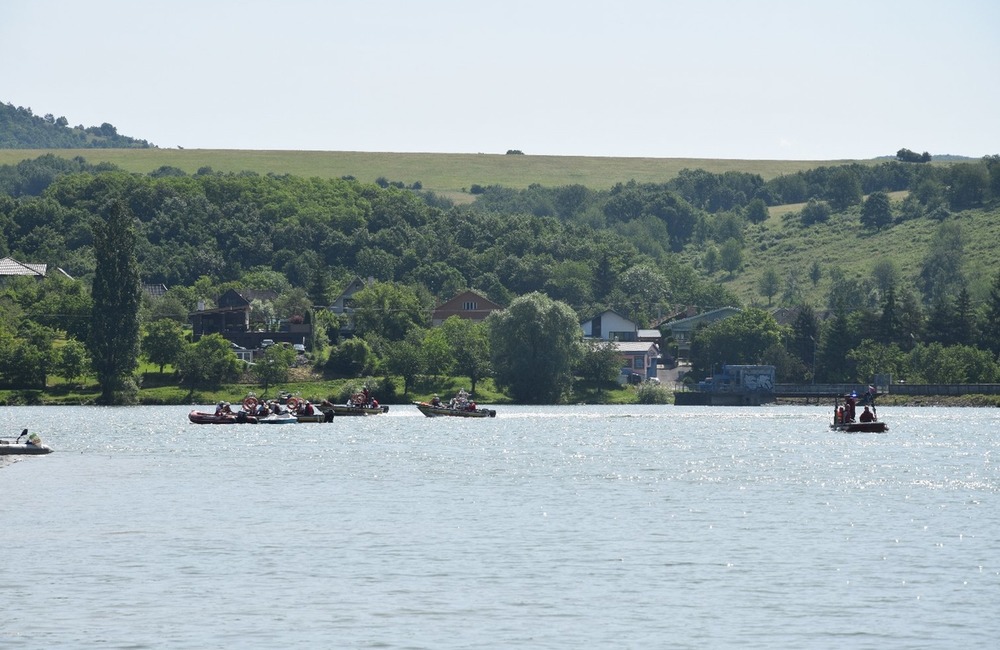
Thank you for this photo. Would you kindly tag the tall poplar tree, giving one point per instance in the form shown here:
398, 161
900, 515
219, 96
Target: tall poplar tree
114, 330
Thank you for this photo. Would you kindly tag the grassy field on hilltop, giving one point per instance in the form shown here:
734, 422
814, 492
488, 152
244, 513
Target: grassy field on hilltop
448, 174
783, 244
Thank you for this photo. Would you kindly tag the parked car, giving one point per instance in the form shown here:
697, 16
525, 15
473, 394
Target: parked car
299, 348
628, 376
266, 343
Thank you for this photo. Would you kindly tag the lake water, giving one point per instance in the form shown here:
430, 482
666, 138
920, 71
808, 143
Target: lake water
549, 527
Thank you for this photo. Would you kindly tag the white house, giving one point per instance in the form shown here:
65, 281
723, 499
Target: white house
609, 325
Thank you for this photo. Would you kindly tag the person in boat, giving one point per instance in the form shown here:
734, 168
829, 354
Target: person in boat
436, 400
867, 415
849, 407
461, 400
223, 408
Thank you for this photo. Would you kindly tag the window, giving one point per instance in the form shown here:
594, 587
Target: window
638, 364
469, 306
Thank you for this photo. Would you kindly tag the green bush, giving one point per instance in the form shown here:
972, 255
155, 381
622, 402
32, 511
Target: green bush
652, 393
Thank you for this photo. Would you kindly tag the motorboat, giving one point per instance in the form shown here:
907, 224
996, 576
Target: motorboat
435, 411
861, 427
279, 418
318, 416
847, 420
352, 408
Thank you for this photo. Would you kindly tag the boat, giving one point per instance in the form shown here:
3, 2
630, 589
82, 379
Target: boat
32, 446
278, 418
318, 416
460, 406
353, 408
845, 418
861, 427
275, 411
208, 417
432, 411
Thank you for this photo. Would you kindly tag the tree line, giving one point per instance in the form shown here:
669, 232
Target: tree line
20, 128
627, 249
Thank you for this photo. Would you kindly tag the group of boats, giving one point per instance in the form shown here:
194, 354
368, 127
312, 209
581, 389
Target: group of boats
289, 409
32, 445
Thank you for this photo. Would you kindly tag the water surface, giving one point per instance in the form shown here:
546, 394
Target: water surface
551, 527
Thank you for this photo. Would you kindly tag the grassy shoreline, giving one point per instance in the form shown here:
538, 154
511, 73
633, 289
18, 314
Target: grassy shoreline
969, 401
486, 394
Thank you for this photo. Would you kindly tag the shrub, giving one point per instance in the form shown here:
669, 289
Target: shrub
651, 393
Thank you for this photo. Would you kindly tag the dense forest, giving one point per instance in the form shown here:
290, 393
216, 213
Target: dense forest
20, 128
645, 250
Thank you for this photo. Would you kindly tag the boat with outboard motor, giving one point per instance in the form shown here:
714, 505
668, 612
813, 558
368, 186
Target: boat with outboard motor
460, 406
432, 411
846, 419
353, 407
32, 445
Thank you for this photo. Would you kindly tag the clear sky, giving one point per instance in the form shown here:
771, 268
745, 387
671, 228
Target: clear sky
765, 79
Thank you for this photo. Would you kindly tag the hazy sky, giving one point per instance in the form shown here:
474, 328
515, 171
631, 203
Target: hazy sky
768, 79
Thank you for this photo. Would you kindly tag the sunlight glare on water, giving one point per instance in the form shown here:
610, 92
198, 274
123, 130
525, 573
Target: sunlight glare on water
545, 527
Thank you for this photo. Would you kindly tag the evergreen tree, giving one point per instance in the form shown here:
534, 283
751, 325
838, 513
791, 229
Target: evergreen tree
964, 327
805, 337
990, 333
940, 321
889, 324
116, 293
911, 319
834, 366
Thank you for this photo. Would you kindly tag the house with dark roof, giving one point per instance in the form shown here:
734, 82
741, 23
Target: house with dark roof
344, 304
683, 329
154, 290
609, 325
231, 319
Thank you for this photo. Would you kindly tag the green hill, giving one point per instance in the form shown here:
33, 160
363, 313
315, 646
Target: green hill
509, 184
20, 128
450, 175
